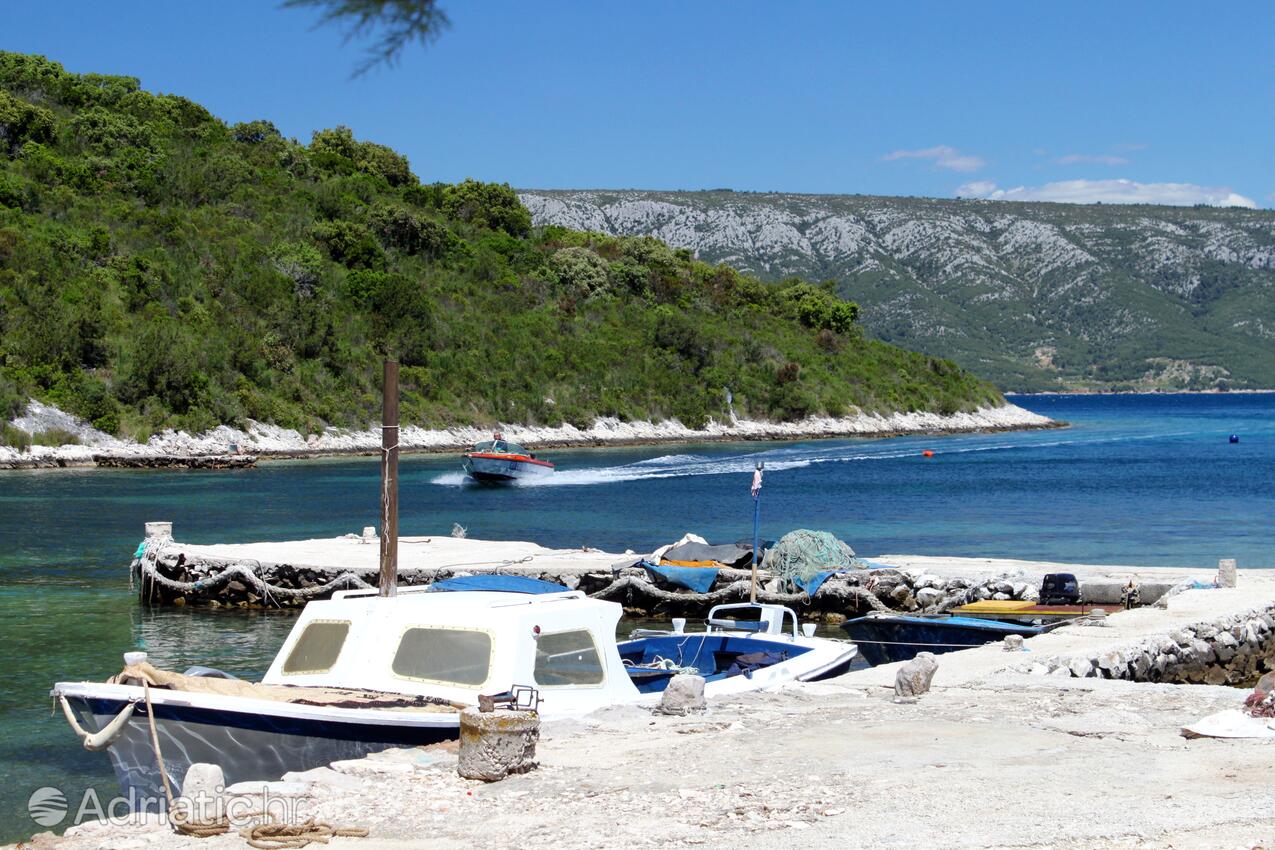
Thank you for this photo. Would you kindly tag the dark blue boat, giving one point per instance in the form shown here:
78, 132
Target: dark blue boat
883, 638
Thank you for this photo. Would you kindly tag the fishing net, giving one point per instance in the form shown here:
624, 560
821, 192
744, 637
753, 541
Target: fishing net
800, 554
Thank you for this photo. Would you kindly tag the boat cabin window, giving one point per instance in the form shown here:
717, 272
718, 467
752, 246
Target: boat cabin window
318, 648
449, 656
567, 658
499, 447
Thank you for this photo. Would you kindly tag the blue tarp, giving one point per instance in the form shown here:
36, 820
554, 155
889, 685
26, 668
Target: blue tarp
811, 585
877, 565
500, 584
698, 579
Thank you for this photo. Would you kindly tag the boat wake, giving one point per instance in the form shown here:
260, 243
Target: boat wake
795, 457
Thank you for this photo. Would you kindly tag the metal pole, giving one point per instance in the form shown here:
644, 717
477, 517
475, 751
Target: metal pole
388, 584
752, 590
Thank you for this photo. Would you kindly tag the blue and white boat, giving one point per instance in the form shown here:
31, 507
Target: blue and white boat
360, 673
883, 638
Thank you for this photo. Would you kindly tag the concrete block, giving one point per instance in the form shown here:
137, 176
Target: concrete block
1226, 575
497, 743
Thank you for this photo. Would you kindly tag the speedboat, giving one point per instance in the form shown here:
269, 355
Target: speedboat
498, 460
360, 673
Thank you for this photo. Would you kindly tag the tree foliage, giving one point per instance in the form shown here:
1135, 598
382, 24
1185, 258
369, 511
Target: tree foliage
395, 23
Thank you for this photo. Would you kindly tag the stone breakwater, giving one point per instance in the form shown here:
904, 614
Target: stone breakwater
265, 440
291, 574
1233, 650
169, 574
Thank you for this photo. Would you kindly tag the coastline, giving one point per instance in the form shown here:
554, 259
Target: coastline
1016, 394
273, 442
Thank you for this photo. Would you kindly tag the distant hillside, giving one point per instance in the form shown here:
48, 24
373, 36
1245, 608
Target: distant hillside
1030, 295
160, 268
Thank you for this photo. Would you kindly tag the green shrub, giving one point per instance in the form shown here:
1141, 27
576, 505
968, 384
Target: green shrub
337, 144
350, 244
22, 122
55, 437
491, 205
580, 271
14, 437
410, 232
12, 401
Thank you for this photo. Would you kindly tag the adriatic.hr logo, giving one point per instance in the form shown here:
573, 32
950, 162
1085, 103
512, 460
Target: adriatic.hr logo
47, 806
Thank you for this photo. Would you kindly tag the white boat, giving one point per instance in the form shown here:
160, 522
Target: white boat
360, 673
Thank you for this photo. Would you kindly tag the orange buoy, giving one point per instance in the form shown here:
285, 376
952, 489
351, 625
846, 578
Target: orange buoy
927, 453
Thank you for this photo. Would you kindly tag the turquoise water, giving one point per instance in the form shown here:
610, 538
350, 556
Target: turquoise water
1136, 480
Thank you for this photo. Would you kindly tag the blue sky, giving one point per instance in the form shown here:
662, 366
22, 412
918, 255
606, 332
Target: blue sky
1162, 101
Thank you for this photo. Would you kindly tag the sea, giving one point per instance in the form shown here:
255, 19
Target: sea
1151, 480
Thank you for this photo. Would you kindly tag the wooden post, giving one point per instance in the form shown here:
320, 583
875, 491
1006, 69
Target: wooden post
756, 490
389, 481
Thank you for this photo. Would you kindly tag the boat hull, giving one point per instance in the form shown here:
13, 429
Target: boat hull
885, 639
246, 744
804, 660
496, 469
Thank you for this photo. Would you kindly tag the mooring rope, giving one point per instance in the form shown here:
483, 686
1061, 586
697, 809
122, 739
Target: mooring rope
147, 567
283, 836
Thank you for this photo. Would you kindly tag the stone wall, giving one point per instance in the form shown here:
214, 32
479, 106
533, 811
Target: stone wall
1231, 651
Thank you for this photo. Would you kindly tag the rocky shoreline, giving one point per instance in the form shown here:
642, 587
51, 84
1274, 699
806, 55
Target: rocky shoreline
178, 449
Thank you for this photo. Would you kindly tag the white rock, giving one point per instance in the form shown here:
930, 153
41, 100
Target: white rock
1080, 667
275, 788
927, 596
326, 776
915, 677
368, 767
683, 695
207, 779
122, 844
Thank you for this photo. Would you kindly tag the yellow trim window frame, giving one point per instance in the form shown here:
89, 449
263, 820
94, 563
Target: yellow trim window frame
318, 648
444, 655
555, 666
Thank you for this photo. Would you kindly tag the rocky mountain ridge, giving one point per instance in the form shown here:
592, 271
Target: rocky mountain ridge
1032, 295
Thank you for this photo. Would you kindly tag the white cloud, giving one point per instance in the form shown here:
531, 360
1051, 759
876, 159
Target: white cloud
943, 156
976, 189
1091, 159
1111, 192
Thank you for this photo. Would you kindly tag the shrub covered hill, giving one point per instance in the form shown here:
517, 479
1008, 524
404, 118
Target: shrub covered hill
160, 268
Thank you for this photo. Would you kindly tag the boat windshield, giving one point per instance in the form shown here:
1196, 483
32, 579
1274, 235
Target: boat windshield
500, 447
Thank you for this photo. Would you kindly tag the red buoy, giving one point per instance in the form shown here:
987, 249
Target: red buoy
927, 453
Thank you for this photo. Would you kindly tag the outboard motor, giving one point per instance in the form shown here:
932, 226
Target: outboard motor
1059, 589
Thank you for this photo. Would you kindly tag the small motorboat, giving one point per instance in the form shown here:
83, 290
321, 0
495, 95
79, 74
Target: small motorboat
733, 654
497, 460
360, 673
883, 638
